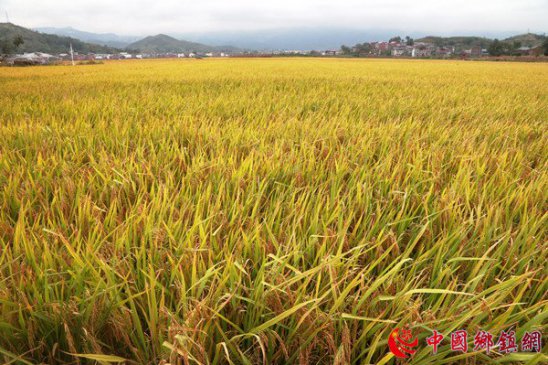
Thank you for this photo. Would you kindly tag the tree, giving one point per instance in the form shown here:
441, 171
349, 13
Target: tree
545, 46
396, 39
7, 46
409, 41
362, 49
496, 48
346, 50
18, 41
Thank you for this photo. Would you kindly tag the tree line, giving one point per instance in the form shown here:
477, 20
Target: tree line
8, 46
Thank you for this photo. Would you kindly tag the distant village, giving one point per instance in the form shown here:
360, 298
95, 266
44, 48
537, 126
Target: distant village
396, 47
416, 50
443, 48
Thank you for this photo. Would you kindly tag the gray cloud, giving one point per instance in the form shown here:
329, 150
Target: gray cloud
176, 16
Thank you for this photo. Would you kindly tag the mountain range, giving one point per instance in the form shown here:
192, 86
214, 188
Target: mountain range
35, 41
48, 43
162, 43
107, 39
302, 39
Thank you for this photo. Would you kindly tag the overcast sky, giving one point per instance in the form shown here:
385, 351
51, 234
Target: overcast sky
140, 17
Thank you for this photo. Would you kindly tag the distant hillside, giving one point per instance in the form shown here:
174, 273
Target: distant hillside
527, 40
47, 43
464, 42
162, 43
107, 39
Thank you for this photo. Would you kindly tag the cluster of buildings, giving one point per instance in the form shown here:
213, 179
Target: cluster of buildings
528, 51
429, 50
35, 58
40, 58
296, 52
390, 49
140, 56
421, 50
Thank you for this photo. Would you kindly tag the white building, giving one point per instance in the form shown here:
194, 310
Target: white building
36, 58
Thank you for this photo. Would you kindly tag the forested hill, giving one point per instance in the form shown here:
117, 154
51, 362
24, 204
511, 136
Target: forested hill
528, 40
41, 42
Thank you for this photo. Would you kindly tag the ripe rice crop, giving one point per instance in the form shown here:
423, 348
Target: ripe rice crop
270, 211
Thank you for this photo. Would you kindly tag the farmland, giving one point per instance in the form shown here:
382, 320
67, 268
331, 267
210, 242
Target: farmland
250, 211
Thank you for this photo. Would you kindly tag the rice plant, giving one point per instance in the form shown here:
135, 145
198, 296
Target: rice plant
270, 211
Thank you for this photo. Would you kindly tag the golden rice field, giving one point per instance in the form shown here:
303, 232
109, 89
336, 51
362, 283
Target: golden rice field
270, 211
